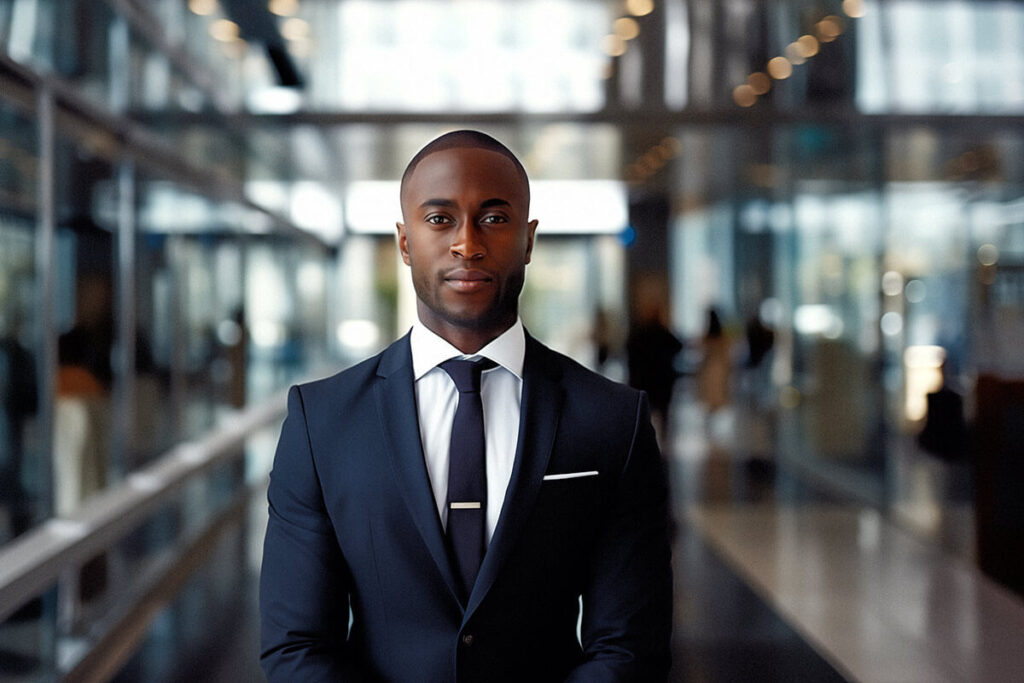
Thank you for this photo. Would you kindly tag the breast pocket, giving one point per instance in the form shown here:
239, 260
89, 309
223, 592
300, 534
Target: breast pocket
568, 512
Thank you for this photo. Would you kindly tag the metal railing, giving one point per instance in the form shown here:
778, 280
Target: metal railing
33, 562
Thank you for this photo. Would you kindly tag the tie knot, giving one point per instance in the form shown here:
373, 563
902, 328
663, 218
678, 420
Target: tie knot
466, 373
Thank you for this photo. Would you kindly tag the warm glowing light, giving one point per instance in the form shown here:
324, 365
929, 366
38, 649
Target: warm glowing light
892, 283
795, 54
759, 82
283, 8
922, 375
780, 68
639, 8
626, 28
829, 28
224, 30
295, 29
988, 254
744, 95
808, 44
613, 46
202, 7
854, 8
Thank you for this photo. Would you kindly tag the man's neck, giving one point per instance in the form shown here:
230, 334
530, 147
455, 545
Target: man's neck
468, 340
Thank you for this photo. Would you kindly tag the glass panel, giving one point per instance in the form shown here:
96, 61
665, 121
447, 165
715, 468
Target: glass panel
84, 318
286, 289
24, 472
571, 282
950, 56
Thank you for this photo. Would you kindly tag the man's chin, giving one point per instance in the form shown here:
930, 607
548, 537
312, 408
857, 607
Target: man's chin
476, 319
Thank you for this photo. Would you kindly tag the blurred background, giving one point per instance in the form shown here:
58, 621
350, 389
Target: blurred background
799, 225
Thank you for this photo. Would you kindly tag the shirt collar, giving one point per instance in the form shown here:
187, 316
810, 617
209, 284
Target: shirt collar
429, 349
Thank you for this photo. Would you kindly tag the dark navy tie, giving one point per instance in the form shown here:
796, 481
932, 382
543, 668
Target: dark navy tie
467, 471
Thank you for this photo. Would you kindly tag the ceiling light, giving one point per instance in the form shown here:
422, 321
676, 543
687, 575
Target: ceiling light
224, 30
639, 8
202, 7
613, 45
854, 8
809, 44
988, 254
626, 28
828, 28
744, 95
283, 8
780, 68
795, 54
759, 82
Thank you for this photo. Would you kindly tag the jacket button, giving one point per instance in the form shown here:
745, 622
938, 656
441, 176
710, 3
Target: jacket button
467, 639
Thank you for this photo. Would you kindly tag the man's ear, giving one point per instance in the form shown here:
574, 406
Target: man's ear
403, 245
531, 230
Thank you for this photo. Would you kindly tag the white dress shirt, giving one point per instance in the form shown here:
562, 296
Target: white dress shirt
501, 389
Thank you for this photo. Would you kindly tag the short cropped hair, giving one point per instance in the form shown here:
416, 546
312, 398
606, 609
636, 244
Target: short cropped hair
462, 139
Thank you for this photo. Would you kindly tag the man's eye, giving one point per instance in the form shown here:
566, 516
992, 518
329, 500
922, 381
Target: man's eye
494, 219
437, 220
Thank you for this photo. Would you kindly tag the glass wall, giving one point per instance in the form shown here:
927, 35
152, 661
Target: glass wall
23, 472
883, 260
143, 301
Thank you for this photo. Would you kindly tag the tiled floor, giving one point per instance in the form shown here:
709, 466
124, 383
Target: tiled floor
870, 566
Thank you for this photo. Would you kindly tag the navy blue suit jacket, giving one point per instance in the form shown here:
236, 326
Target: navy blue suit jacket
353, 524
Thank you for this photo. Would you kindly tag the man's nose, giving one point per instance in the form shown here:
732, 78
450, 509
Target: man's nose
467, 243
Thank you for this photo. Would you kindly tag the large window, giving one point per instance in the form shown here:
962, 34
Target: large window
945, 56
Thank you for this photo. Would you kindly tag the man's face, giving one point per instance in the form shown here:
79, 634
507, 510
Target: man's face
467, 239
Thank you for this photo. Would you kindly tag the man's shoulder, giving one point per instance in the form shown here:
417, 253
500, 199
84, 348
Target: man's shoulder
577, 379
356, 378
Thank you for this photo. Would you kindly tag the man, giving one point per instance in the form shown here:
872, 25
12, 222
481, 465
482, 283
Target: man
403, 543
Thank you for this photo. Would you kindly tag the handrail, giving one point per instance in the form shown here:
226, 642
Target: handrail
157, 588
33, 562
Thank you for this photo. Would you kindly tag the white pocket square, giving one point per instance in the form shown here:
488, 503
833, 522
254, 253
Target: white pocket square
570, 475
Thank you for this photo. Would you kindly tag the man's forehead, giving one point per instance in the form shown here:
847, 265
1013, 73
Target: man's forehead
478, 163
469, 155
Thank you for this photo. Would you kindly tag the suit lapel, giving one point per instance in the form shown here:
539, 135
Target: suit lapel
396, 405
538, 423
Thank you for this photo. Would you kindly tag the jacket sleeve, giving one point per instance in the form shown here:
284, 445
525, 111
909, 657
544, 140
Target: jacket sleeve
304, 582
627, 598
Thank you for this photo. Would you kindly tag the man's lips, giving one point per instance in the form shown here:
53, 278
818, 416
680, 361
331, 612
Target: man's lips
464, 280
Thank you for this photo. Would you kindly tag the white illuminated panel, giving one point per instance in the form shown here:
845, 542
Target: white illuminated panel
580, 207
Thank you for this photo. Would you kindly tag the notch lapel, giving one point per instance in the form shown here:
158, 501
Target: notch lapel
396, 405
538, 424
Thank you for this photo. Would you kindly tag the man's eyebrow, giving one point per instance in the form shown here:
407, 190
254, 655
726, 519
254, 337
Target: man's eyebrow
486, 204
497, 201
437, 202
